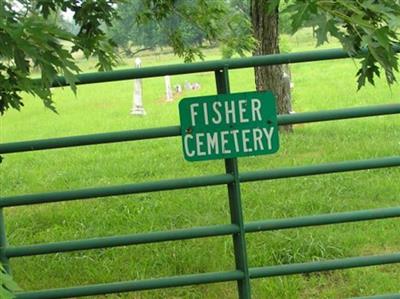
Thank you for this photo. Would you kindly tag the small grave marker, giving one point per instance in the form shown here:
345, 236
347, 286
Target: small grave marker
137, 108
168, 89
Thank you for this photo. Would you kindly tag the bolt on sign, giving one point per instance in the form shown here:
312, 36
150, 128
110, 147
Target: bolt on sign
229, 125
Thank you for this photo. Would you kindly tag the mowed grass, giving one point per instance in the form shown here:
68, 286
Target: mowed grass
106, 108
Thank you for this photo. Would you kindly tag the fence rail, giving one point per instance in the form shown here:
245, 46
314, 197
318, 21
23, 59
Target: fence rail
200, 181
172, 131
200, 232
232, 178
208, 66
213, 277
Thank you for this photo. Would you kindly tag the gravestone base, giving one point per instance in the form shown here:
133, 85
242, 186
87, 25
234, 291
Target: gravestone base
138, 110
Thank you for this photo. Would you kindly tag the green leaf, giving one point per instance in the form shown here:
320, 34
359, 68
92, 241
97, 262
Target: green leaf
299, 18
382, 36
20, 60
7, 285
71, 79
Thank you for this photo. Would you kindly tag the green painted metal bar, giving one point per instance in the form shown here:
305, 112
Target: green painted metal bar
201, 232
115, 241
199, 181
62, 142
205, 66
3, 243
353, 262
171, 184
131, 286
193, 279
172, 131
323, 219
337, 114
386, 296
235, 203
325, 168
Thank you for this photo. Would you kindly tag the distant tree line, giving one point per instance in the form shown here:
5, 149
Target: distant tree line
190, 26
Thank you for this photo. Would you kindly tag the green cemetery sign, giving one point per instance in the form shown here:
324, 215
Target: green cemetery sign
229, 125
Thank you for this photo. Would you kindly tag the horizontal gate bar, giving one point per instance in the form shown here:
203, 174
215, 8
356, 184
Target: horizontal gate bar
115, 241
206, 66
163, 185
62, 142
319, 169
185, 280
198, 181
323, 219
386, 296
132, 135
130, 286
336, 114
353, 262
199, 232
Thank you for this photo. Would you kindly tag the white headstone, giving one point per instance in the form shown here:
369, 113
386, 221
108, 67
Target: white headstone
137, 108
168, 89
188, 86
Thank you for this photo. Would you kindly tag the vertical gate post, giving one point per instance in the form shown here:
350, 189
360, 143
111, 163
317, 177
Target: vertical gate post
235, 204
3, 243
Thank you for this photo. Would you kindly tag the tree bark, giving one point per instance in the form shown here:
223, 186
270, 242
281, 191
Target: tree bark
275, 77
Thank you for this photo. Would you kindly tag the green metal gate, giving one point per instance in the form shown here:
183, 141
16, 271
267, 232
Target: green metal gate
232, 178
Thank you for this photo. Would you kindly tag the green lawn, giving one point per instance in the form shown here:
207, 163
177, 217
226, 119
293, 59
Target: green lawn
105, 108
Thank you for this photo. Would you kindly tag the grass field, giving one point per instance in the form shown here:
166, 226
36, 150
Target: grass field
105, 107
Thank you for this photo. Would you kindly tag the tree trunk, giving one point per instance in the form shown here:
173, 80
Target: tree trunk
275, 78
